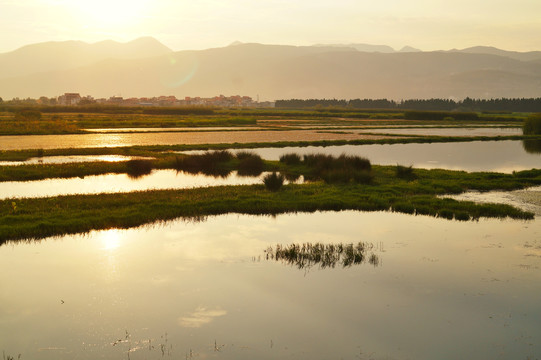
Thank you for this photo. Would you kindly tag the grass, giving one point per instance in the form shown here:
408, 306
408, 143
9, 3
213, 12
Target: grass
532, 125
273, 182
43, 217
250, 164
405, 172
138, 168
307, 255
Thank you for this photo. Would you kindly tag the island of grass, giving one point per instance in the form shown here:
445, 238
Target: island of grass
342, 183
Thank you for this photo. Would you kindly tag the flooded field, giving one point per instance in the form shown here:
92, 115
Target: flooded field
70, 159
501, 156
115, 183
168, 138
202, 290
172, 129
482, 131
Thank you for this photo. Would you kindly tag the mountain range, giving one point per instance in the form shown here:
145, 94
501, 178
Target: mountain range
145, 67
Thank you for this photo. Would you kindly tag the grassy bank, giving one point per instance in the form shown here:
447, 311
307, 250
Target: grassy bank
387, 189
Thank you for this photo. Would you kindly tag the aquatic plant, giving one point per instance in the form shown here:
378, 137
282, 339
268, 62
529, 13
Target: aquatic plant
273, 181
307, 255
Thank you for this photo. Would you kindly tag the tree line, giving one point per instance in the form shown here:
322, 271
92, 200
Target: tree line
468, 104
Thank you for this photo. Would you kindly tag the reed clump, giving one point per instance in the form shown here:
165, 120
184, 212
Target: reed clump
405, 172
273, 181
307, 255
291, 159
137, 168
250, 164
209, 163
532, 125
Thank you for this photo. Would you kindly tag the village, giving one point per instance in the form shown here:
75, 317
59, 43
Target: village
218, 101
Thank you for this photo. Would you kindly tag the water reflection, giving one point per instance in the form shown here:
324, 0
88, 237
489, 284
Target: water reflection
501, 156
116, 183
71, 159
444, 283
466, 132
308, 255
532, 146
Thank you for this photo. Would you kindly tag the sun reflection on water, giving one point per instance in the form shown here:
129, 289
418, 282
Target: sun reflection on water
110, 239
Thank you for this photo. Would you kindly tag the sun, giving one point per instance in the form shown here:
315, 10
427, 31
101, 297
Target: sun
111, 13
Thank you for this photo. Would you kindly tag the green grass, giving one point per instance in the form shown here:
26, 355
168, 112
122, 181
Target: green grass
39, 218
532, 125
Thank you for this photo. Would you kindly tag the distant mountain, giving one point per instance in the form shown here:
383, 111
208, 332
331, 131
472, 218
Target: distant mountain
361, 47
64, 55
409, 49
284, 72
523, 56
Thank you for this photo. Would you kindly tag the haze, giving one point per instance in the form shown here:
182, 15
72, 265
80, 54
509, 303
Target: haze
427, 25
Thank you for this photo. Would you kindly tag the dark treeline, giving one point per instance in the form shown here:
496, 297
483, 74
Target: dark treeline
468, 104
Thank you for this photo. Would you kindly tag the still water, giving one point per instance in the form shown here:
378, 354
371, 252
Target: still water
166, 138
204, 290
500, 156
425, 131
71, 159
116, 183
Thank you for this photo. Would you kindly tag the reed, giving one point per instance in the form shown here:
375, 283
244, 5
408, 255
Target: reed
274, 181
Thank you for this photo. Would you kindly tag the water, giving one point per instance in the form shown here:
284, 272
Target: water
443, 290
500, 156
115, 183
471, 132
70, 159
165, 138
172, 129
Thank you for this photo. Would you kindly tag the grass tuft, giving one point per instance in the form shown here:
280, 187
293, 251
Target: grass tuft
138, 168
274, 181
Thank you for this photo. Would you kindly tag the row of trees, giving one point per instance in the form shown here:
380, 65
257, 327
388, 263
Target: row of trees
468, 104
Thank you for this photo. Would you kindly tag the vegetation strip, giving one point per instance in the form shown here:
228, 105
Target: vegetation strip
387, 188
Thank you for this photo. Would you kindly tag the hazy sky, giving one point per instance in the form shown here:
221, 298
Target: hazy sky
199, 24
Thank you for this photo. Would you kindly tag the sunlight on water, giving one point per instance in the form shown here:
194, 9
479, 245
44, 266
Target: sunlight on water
115, 183
205, 290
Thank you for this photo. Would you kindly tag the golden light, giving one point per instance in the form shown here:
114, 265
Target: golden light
110, 239
111, 13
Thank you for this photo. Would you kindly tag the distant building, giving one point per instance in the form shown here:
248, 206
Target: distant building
69, 99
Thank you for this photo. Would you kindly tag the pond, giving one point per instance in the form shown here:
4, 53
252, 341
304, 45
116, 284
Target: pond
502, 156
471, 132
166, 138
198, 290
172, 129
70, 159
116, 183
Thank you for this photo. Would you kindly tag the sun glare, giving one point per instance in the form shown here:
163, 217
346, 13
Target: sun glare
110, 239
112, 13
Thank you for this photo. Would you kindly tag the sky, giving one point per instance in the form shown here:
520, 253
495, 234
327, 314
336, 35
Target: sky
200, 24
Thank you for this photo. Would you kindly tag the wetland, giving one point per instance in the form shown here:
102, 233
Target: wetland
129, 243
